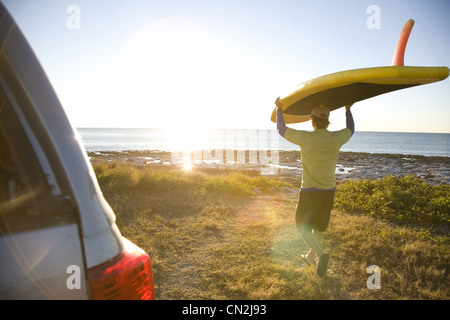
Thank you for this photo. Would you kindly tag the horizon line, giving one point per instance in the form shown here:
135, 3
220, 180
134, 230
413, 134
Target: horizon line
168, 128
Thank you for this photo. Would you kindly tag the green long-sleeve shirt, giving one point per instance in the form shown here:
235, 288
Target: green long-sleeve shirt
319, 152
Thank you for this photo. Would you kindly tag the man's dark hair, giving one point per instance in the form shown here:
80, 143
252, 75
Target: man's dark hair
319, 123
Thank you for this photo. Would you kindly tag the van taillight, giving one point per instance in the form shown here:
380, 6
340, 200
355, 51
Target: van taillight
129, 276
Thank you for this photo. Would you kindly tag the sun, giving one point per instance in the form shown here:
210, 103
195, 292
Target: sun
170, 70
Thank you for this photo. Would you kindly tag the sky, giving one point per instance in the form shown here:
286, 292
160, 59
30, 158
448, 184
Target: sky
222, 64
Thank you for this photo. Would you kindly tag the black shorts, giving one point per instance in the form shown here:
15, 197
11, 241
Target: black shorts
314, 209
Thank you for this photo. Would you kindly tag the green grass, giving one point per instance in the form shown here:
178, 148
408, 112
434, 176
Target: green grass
224, 234
127, 178
401, 199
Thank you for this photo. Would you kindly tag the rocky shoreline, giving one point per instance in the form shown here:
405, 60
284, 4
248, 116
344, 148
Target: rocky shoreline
434, 170
350, 165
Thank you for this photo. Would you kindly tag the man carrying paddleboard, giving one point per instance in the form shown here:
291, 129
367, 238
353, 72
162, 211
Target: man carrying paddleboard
319, 152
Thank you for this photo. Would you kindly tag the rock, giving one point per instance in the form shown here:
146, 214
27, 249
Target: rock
288, 190
257, 190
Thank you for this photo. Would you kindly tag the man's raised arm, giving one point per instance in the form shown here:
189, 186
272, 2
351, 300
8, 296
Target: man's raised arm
349, 118
281, 125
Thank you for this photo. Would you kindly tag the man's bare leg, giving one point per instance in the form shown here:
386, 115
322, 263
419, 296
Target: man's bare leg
311, 255
310, 238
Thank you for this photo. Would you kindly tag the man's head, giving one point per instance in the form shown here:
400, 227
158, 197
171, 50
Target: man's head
319, 117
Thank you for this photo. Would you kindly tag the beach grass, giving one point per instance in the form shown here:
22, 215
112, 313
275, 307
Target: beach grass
229, 234
405, 200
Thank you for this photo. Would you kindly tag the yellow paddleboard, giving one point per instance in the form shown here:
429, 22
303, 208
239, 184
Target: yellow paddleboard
341, 88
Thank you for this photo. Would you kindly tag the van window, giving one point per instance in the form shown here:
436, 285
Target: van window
26, 198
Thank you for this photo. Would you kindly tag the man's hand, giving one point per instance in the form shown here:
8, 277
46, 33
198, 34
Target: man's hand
278, 104
347, 107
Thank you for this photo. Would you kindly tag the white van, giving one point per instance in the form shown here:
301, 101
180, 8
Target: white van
58, 237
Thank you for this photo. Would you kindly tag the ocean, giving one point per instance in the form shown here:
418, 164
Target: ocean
120, 139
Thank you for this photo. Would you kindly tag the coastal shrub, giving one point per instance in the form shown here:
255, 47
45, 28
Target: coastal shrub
129, 178
116, 176
229, 184
403, 199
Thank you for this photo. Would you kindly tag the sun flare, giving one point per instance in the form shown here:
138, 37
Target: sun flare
171, 67
173, 72
187, 163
